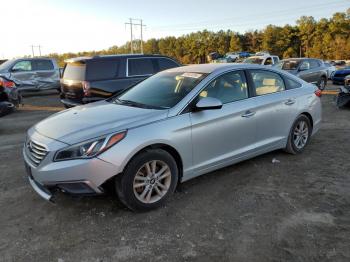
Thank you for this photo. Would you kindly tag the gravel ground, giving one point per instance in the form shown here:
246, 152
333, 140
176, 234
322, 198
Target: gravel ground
294, 210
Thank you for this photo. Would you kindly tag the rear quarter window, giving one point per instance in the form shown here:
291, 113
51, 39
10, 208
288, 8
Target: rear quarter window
291, 84
102, 70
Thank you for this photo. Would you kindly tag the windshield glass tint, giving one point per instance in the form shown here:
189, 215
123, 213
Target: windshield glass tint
253, 60
289, 65
163, 90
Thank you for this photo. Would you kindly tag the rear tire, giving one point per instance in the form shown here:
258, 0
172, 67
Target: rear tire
148, 180
299, 135
322, 83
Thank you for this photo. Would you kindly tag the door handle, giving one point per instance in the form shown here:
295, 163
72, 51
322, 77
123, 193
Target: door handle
248, 114
289, 102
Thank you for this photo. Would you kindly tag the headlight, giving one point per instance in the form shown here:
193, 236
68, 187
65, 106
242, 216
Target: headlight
89, 149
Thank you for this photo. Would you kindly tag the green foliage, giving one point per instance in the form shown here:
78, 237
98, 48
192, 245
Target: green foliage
326, 39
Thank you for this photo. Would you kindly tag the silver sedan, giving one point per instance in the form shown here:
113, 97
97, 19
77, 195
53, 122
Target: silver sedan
174, 126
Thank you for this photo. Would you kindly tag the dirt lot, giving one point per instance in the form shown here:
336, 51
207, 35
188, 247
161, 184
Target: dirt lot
295, 210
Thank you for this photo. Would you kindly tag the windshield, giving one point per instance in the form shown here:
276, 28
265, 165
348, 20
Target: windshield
161, 91
5, 64
253, 60
289, 64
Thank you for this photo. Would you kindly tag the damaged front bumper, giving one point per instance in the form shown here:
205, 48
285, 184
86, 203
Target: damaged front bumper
343, 97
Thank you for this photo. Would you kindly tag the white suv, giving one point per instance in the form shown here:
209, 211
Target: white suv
265, 59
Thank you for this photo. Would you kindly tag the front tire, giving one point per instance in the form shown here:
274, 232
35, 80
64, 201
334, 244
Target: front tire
299, 135
148, 180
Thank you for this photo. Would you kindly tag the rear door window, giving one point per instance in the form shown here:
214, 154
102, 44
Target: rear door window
266, 82
75, 71
275, 60
165, 64
102, 69
314, 64
42, 65
140, 66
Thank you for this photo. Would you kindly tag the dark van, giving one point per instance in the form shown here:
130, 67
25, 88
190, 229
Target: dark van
90, 79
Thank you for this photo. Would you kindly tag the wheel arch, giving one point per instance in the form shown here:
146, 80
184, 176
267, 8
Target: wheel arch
309, 116
166, 147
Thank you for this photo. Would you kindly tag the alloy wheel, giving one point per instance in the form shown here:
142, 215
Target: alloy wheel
152, 181
300, 135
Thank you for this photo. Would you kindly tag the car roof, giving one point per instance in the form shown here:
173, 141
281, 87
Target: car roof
301, 58
211, 68
106, 57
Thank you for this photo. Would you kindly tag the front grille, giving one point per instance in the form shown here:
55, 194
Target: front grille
35, 152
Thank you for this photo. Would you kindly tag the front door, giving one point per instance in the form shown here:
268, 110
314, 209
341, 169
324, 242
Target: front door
23, 74
221, 135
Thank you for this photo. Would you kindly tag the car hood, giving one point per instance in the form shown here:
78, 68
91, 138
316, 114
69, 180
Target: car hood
93, 120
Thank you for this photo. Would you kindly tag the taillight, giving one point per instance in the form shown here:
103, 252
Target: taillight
7, 83
318, 92
86, 88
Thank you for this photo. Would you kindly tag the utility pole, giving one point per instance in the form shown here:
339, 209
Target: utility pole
131, 42
39, 46
132, 24
141, 37
32, 50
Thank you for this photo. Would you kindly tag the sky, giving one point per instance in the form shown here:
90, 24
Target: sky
60, 26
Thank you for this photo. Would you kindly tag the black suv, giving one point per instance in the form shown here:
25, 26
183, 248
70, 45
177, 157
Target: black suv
89, 79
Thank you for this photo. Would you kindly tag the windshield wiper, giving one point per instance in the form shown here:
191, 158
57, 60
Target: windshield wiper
136, 104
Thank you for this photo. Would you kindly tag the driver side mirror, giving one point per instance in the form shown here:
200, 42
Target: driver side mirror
208, 103
15, 70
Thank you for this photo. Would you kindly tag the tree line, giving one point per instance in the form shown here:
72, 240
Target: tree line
324, 39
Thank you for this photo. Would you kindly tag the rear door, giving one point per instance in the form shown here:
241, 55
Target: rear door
275, 108
222, 135
47, 77
23, 73
304, 71
314, 71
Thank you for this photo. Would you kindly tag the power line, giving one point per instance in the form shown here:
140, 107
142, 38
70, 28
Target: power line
36, 46
132, 24
265, 14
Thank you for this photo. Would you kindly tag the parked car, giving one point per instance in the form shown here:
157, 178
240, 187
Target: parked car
244, 54
339, 75
171, 127
233, 56
2, 61
265, 59
343, 97
10, 98
309, 69
32, 73
90, 79
330, 69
